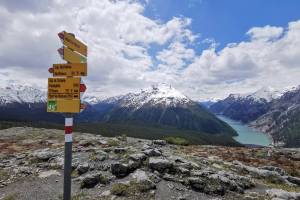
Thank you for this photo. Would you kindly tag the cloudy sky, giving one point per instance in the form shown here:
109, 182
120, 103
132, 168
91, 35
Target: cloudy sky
205, 48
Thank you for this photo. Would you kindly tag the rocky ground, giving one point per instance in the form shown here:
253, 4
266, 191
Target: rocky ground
31, 167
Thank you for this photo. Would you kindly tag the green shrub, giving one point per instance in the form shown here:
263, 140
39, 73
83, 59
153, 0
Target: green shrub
10, 197
80, 196
74, 173
119, 189
113, 142
104, 179
177, 141
123, 138
4, 175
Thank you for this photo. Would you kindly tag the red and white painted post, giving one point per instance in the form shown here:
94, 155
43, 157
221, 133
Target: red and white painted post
68, 156
68, 129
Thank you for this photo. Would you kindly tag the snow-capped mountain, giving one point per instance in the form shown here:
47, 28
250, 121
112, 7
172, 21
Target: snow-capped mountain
162, 94
24, 103
159, 105
246, 107
264, 94
209, 102
282, 120
15, 93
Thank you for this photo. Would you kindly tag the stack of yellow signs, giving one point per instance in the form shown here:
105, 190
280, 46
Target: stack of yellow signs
65, 87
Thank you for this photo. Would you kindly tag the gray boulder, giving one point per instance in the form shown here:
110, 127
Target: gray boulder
87, 142
119, 169
219, 183
159, 142
294, 180
182, 170
100, 155
274, 169
146, 146
120, 150
138, 157
133, 165
279, 194
196, 183
44, 154
173, 178
241, 181
91, 180
206, 185
152, 152
272, 176
57, 162
160, 164
83, 168
296, 156
143, 180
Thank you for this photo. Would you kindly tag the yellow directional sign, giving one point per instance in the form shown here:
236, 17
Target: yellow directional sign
72, 56
63, 106
64, 88
72, 69
74, 44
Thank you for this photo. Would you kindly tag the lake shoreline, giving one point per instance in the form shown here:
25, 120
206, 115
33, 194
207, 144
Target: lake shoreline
265, 133
248, 135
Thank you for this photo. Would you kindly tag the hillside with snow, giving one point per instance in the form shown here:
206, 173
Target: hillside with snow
21, 94
247, 107
264, 94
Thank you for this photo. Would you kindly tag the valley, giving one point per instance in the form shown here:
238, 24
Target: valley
267, 110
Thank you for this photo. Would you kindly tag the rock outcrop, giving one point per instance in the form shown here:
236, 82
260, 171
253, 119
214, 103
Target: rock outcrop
135, 169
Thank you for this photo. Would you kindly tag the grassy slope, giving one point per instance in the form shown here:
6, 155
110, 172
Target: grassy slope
138, 131
291, 131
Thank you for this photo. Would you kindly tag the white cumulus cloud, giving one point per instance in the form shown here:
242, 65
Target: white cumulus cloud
120, 39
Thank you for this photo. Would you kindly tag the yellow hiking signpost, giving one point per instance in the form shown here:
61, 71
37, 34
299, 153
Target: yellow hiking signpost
64, 93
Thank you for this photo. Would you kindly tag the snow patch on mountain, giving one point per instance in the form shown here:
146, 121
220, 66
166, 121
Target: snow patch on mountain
15, 93
92, 100
161, 94
266, 93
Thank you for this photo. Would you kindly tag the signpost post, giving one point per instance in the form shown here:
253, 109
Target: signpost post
64, 93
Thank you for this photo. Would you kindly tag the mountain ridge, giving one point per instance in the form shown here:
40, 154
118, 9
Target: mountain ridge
162, 105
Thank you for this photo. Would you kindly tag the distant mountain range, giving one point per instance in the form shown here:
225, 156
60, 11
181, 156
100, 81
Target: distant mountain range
160, 106
276, 113
273, 112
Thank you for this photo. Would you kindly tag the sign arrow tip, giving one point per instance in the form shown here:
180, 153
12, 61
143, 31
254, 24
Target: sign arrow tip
61, 35
82, 87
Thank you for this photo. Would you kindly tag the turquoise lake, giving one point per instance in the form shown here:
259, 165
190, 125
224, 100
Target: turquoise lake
247, 135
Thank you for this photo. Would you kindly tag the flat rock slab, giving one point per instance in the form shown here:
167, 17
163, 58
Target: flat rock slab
46, 174
30, 188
